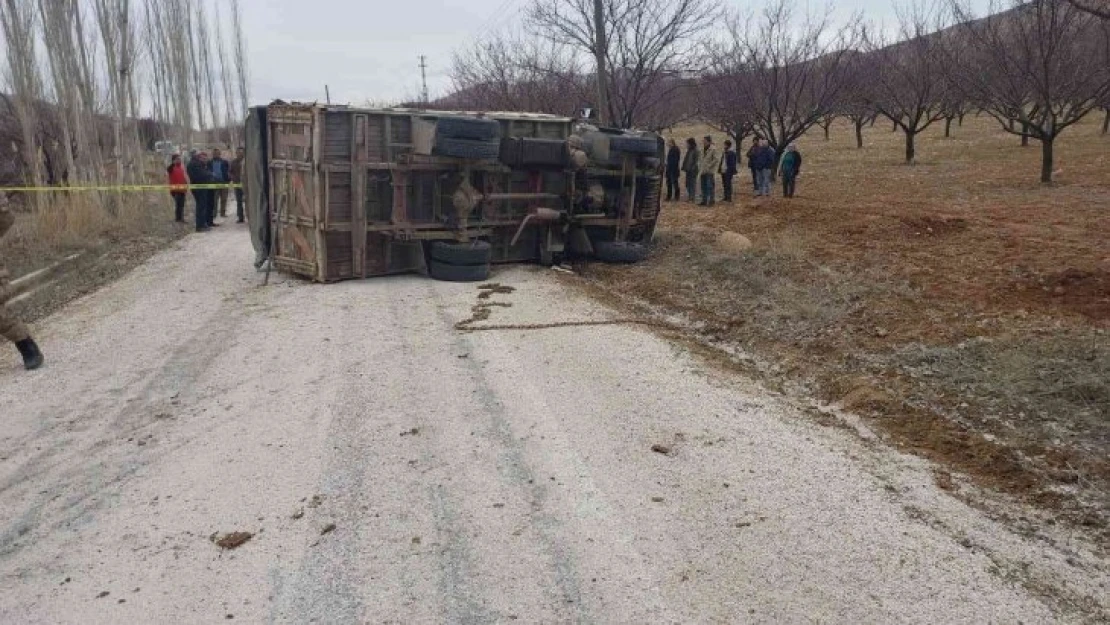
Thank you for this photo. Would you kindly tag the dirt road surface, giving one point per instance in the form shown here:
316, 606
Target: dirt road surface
394, 470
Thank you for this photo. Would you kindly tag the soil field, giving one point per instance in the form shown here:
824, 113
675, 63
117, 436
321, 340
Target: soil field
958, 304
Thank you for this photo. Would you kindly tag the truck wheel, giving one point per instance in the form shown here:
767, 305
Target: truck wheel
631, 144
467, 148
474, 128
472, 253
619, 252
458, 273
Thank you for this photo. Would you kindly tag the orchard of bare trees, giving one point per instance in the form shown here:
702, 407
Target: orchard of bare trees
91, 84
1036, 67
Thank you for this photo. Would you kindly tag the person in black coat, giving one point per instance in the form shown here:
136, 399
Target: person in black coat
199, 173
728, 166
752, 151
674, 162
691, 164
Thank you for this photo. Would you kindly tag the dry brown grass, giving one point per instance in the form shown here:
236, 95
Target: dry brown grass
958, 302
64, 223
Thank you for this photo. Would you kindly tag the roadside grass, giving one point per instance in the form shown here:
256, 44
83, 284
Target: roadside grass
59, 223
111, 231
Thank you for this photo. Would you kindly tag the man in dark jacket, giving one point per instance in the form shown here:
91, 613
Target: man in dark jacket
729, 171
752, 151
764, 163
199, 173
691, 163
674, 161
791, 169
236, 173
221, 174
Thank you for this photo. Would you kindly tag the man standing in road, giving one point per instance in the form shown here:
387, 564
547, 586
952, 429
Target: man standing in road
729, 170
11, 328
235, 171
221, 174
202, 198
710, 166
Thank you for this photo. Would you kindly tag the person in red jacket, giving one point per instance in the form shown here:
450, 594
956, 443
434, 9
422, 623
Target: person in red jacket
178, 185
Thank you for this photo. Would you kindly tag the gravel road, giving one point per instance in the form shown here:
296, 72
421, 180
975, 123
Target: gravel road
394, 470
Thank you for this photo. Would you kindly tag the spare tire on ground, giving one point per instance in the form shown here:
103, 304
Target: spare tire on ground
467, 148
458, 273
619, 251
632, 144
472, 253
475, 128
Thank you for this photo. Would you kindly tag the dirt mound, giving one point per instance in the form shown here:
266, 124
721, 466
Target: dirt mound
1086, 292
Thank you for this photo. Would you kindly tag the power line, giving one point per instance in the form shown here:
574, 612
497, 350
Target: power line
497, 17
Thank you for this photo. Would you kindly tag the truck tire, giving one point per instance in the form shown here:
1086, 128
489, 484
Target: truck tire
458, 273
631, 144
472, 253
619, 251
467, 148
474, 128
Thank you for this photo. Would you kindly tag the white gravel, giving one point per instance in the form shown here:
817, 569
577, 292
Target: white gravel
501, 476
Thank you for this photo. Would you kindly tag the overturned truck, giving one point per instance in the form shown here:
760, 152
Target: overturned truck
336, 192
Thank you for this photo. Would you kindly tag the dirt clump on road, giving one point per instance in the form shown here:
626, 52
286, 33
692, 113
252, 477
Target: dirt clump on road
959, 306
486, 291
231, 540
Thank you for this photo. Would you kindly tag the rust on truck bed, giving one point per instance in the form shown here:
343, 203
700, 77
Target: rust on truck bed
352, 193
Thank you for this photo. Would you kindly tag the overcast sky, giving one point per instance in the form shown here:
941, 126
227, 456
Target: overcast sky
369, 49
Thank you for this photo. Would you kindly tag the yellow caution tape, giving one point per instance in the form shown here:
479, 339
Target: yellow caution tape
127, 187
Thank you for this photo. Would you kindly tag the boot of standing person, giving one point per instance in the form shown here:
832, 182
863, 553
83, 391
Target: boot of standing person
11, 328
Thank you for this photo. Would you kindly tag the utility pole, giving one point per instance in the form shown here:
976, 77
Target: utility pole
424, 79
600, 50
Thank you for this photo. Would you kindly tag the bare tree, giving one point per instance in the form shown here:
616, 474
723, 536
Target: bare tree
239, 43
1043, 64
18, 21
500, 73
786, 74
117, 34
717, 105
650, 47
909, 81
206, 84
1098, 8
